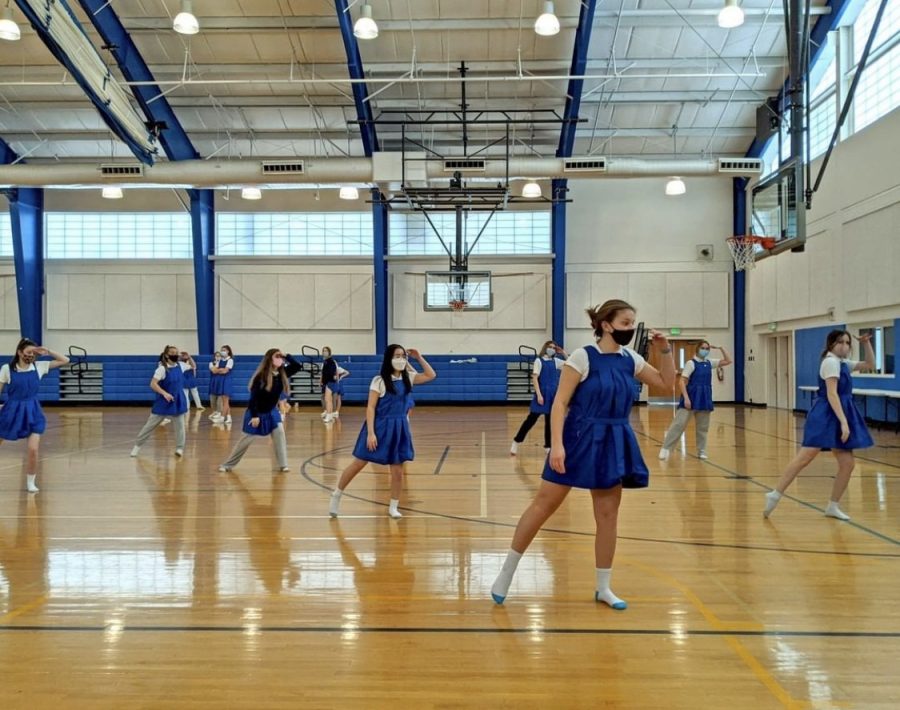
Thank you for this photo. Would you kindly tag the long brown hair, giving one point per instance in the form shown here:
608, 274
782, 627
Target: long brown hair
264, 372
23, 343
831, 341
545, 346
606, 313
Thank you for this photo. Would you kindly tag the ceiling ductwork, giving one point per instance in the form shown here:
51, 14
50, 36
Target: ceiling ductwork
216, 174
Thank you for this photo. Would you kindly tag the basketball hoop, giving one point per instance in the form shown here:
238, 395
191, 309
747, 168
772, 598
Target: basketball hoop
458, 305
743, 249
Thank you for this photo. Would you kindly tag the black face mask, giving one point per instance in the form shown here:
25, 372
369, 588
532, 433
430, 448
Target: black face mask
173, 358
623, 337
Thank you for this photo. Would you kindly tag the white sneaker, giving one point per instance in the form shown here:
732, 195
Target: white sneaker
224, 469
200, 409
514, 449
30, 485
703, 455
335, 504
323, 414
165, 421
329, 419
179, 452
284, 469
832, 511
135, 451
228, 419
663, 454
215, 416
336, 415
395, 514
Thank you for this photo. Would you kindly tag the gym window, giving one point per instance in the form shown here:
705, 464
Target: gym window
294, 234
118, 235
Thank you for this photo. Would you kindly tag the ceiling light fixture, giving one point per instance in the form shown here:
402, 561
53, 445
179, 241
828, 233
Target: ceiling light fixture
731, 15
532, 191
547, 24
349, 193
251, 193
365, 27
9, 30
112, 193
185, 22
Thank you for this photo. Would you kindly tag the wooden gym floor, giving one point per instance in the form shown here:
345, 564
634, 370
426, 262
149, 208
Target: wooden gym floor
161, 583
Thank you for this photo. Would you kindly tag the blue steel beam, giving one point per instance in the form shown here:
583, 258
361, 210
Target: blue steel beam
559, 188
203, 231
26, 214
356, 71
177, 146
739, 202
174, 139
381, 225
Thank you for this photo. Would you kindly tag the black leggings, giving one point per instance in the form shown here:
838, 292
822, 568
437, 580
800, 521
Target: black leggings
529, 422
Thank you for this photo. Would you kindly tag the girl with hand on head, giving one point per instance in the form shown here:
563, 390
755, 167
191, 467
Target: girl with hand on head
22, 417
385, 437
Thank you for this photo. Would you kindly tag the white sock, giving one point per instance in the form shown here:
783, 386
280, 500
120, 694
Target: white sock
604, 593
392, 508
500, 587
30, 485
333, 508
772, 498
833, 511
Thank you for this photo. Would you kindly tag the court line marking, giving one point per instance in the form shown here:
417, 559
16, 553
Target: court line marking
440, 463
24, 609
605, 631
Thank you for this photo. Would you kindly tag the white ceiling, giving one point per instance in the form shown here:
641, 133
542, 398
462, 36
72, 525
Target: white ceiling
657, 63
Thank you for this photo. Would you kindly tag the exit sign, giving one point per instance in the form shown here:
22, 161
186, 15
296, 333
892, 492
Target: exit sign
674, 331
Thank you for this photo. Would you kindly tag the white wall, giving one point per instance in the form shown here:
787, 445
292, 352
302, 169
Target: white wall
627, 239
850, 271
9, 305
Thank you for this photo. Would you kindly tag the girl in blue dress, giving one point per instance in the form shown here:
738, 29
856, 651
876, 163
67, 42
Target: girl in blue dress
593, 445
385, 437
696, 398
22, 417
833, 423
545, 379
332, 386
190, 381
170, 403
263, 415
220, 384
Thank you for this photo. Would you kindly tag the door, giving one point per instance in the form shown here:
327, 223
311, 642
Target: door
781, 376
682, 350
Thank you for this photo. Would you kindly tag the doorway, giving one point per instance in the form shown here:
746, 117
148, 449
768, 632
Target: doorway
780, 365
682, 351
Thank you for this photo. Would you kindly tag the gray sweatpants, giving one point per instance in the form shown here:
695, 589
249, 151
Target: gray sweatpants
240, 448
188, 392
154, 421
701, 421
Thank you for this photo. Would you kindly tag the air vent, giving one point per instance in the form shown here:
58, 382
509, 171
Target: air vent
283, 167
586, 165
474, 166
742, 166
121, 170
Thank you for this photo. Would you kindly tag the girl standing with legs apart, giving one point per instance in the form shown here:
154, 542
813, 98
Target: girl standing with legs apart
545, 378
593, 445
22, 417
171, 403
385, 437
332, 386
833, 423
263, 416
696, 398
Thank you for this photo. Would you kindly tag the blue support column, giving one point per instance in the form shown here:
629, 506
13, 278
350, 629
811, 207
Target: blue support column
564, 150
26, 211
381, 226
558, 245
203, 230
739, 186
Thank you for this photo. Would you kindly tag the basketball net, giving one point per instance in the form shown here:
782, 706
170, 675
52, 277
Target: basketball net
744, 250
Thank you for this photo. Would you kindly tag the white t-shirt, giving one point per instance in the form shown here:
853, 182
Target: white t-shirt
538, 365
42, 368
579, 361
229, 363
160, 373
831, 366
689, 366
377, 384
